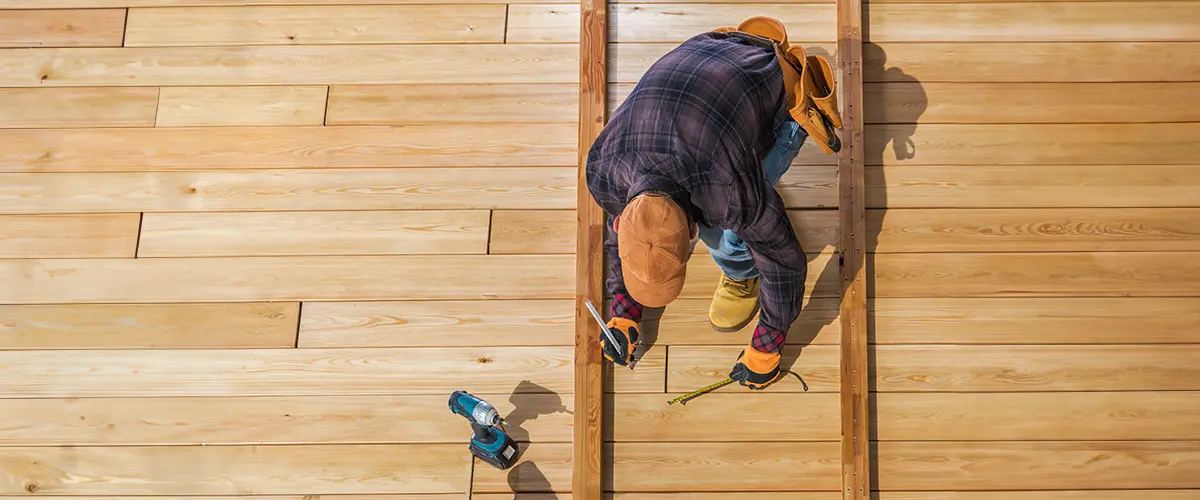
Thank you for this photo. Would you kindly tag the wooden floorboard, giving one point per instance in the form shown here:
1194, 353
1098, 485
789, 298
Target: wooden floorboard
241, 106
55, 236
653, 23
436, 323
668, 467
78, 107
773, 417
62, 28
532, 232
468, 103
693, 367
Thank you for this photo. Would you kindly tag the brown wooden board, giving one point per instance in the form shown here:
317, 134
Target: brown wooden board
62, 28
669, 467
241, 106
78, 107
532, 232
773, 417
53, 236
468, 103
436, 323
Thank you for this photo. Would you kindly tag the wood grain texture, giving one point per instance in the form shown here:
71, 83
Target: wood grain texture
808, 186
693, 367
541, 467
143, 326
233, 279
816, 229
668, 467
54, 236
1056, 186
1082, 416
92, 4
78, 107
269, 420
1026, 62
289, 65
532, 232
1033, 466
1122, 320
1114, 274
315, 25
649, 376
214, 470
436, 323
1036, 22
62, 28
703, 276
195, 148
773, 417
429, 104
1039, 495
241, 106
284, 372
685, 322
790, 495
1032, 368
314, 233
1037, 144
298, 189
980, 103
653, 23
630, 60
1033, 230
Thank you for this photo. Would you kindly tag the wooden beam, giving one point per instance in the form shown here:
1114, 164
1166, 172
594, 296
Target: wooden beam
856, 473
589, 257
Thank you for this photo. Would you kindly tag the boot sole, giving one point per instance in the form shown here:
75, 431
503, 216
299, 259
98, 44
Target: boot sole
736, 328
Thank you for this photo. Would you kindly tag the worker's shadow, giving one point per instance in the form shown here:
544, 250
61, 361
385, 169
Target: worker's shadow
530, 401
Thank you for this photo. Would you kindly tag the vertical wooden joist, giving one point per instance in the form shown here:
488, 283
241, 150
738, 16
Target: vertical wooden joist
589, 274
856, 462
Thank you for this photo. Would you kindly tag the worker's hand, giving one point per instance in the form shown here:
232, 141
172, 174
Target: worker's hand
626, 333
755, 369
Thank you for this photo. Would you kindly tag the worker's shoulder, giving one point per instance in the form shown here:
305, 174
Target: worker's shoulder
717, 52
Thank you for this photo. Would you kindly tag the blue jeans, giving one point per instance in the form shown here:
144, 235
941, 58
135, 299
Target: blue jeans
726, 248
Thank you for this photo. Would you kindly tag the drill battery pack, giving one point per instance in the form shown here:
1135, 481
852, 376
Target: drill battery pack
496, 448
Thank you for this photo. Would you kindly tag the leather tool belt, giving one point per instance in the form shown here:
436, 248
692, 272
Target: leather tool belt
808, 82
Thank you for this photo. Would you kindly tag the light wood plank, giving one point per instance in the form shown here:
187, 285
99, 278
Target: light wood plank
667, 467
1040, 495
241, 106
629, 60
142, 326
1033, 230
1034, 22
230, 279
1026, 62
1123, 320
290, 65
258, 190
284, 372
532, 231
133, 149
1026, 368
771, 417
816, 229
315, 25
1115, 274
62, 28
1056, 186
213, 470
314, 233
685, 322
541, 468
53, 236
1018, 466
703, 275
429, 104
788, 495
1040, 144
92, 4
693, 367
1039, 102
648, 376
269, 420
807, 186
1167, 416
651, 23
78, 107
436, 323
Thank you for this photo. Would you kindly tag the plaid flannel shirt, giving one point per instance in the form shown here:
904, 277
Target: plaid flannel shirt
697, 127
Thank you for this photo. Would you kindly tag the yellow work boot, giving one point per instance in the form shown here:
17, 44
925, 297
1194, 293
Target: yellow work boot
734, 304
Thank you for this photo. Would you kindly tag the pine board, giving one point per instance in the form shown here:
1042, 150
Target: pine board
434, 104
817, 229
1034, 230
808, 186
437, 323
693, 367
771, 417
195, 148
1075, 416
269, 420
541, 468
703, 275
56, 236
532, 232
230, 279
1035, 368
685, 322
628, 61
284, 372
215, 470
1055, 186
980, 103
314, 233
62, 28
654, 23
649, 374
1121, 320
290, 65
142, 326
1115, 274
1040, 495
241, 106
49, 4
299, 189
1034, 466
670, 467
78, 107
315, 25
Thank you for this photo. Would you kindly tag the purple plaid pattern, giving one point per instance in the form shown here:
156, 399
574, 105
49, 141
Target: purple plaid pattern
767, 340
697, 128
623, 306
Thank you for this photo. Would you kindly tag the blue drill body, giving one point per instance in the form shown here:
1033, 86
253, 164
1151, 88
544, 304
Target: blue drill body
488, 442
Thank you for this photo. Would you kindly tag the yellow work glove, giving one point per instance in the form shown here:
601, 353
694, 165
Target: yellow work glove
756, 370
626, 333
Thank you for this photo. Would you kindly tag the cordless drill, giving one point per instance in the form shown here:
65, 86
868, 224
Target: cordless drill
490, 443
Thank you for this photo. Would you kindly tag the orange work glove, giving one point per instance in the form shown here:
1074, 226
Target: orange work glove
626, 332
755, 369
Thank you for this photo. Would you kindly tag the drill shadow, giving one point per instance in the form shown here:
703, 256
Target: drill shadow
530, 401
